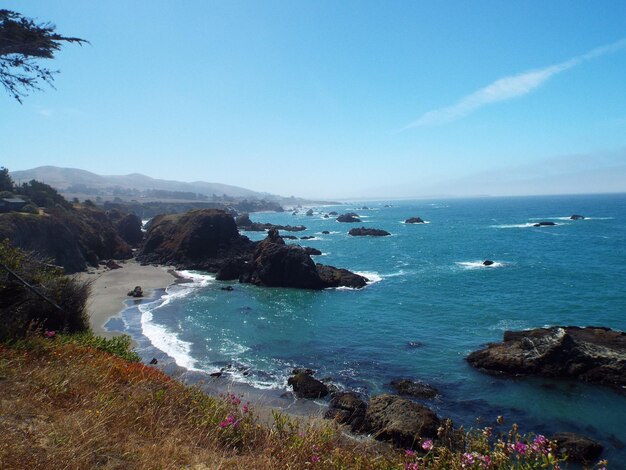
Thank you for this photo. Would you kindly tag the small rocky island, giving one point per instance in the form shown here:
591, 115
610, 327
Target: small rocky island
373, 232
591, 354
349, 217
414, 220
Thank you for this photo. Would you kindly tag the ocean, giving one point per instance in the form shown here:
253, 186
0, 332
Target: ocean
430, 303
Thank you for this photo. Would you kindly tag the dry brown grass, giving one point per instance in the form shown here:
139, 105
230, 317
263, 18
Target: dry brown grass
68, 406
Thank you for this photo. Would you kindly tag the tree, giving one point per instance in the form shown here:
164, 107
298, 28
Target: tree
6, 182
22, 44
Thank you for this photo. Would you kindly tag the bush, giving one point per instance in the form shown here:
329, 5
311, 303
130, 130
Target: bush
30, 209
43, 297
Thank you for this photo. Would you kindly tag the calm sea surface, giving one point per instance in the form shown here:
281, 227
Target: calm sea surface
431, 302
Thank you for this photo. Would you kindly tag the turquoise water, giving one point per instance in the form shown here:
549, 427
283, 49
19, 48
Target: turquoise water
431, 303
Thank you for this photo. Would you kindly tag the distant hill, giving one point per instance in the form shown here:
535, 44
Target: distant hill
73, 180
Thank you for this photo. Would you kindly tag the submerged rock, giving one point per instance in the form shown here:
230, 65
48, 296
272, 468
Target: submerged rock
414, 220
577, 217
413, 389
577, 448
544, 224
591, 354
487, 262
399, 420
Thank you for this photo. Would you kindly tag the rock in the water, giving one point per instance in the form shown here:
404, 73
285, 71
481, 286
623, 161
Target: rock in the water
154, 361
544, 224
349, 217
325, 232
413, 389
374, 232
309, 212
311, 251
289, 237
305, 386
332, 213
231, 269
591, 354
399, 420
228, 288
577, 217
577, 448
337, 277
326, 216
136, 292
414, 220
487, 262
307, 237
347, 408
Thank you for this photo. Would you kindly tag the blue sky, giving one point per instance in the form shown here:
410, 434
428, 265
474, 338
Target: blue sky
334, 99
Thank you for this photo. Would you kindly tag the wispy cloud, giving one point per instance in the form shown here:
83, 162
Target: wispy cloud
507, 88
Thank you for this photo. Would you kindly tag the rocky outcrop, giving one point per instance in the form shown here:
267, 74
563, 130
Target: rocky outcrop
72, 238
487, 262
577, 217
205, 239
305, 386
309, 212
347, 408
349, 217
413, 389
373, 232
399, 420
544, 224
577, 448
591, 354
414, 220
311, 251
128, 226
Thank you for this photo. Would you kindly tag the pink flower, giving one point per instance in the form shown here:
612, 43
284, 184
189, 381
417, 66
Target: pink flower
224, 424
468, 459
245, 408
315, 459
50, 334
427, 445
411, 466
521, 448
486, 461
409, 453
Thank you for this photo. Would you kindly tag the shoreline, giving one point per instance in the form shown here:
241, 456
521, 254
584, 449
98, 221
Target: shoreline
109, 289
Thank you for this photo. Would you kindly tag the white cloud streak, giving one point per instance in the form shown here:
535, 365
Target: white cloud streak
507, 88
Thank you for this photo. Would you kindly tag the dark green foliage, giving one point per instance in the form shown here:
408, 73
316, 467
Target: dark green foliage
43, 195
30, 209
6, 182
22, 44
51, 300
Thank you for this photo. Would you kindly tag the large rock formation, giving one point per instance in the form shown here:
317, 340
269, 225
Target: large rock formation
401, 421
70, 237
591, 354
128, 226
202, 239
208, 239
577, 448
305, 386
347, 408
373, 232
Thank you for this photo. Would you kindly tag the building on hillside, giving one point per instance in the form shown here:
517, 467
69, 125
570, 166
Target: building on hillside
11, 204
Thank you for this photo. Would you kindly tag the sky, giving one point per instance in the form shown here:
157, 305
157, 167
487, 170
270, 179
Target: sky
327, 99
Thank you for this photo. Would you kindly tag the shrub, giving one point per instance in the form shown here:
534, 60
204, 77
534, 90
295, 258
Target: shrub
36, 295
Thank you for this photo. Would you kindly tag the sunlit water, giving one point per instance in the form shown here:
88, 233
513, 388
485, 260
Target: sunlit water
431, 302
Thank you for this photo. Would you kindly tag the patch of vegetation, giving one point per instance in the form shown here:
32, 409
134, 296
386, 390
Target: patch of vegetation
36, 295
64, 401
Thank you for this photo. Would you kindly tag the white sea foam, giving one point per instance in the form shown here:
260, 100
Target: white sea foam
478, 265
373, 277
160, 337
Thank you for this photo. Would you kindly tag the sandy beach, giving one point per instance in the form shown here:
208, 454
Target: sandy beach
110, 289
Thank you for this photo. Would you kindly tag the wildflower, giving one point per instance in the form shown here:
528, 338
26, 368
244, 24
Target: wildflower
409, 453
427, 445
50, 334
486, 461
468, 459
411, 466
224, 424
315, 458
245, 408
521, 448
